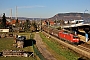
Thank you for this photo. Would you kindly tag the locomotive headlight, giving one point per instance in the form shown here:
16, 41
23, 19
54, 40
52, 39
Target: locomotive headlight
74, 39
77, 39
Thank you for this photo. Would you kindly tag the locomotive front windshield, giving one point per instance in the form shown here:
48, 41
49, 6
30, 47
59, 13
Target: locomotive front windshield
75, 36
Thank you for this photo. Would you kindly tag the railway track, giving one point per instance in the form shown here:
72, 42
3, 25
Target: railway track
81, 49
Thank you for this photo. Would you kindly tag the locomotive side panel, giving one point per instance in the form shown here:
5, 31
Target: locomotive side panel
69, 37
61, 35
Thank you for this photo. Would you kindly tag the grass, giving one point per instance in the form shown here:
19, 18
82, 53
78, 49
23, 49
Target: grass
58, 49
7, 43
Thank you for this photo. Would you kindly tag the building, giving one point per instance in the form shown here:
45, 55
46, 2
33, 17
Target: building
46, 22
20, 41
15, 53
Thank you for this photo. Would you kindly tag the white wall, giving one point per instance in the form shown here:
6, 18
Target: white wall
4, 30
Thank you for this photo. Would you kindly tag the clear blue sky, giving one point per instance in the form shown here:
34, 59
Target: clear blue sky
43, 8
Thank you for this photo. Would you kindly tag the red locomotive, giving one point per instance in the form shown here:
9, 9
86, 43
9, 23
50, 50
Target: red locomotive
65, 35
69, 37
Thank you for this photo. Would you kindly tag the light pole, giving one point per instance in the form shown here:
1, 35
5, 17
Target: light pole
85, 29
84, 13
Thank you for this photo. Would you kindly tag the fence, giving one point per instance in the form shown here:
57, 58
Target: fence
36, 51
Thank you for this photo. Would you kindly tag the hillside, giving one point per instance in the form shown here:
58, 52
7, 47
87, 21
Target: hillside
71, 16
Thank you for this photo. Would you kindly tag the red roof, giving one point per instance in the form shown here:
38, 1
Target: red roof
14, 21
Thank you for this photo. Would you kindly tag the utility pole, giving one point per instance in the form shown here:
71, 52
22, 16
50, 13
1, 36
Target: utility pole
48, 29
40, 25
56, 21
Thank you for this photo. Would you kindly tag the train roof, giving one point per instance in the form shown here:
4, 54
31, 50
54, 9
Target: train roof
69, 32
78, 20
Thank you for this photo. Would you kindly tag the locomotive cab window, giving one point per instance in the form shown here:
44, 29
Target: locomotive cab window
75, 36
65, 32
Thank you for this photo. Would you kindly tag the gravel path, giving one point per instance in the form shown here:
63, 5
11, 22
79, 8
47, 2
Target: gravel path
42, 48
